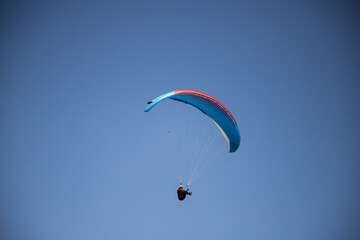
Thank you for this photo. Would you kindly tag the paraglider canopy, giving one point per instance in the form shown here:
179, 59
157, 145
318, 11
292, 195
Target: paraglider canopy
210, 106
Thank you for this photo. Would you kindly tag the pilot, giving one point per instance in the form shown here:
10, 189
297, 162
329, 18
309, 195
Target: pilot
182, 193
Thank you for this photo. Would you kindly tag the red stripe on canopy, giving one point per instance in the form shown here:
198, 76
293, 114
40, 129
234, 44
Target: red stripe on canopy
208, 97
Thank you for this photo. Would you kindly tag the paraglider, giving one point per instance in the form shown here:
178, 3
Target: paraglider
212, 108
182, 193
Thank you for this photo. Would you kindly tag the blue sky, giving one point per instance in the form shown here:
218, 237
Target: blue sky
81, 160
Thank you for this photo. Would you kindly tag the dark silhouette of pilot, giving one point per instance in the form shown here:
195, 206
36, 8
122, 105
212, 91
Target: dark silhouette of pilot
182, 193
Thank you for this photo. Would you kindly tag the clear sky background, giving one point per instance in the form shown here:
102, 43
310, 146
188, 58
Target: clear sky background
81, 160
